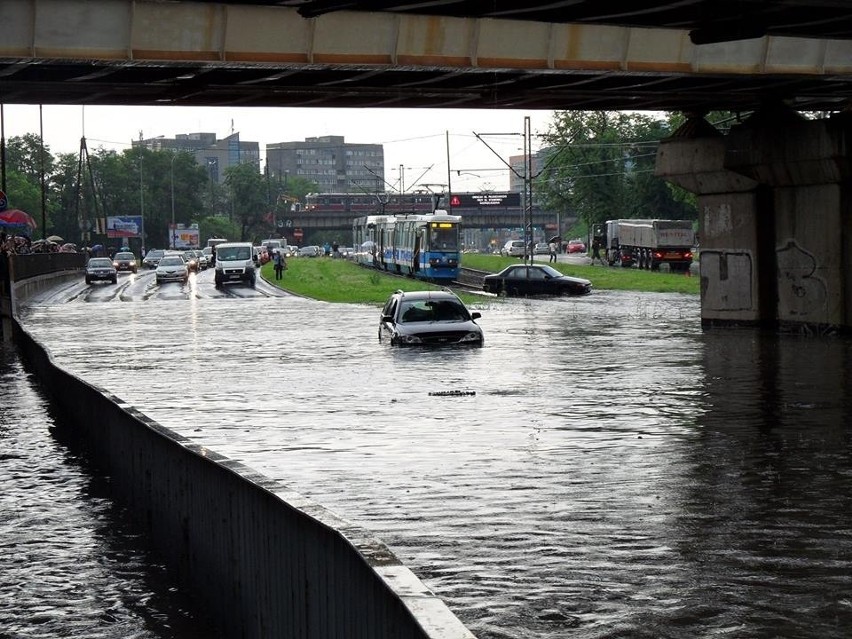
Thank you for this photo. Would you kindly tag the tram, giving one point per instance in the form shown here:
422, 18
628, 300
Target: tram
387, 203
425, 246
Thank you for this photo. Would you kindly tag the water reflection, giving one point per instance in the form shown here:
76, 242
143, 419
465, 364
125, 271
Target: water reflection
613, 472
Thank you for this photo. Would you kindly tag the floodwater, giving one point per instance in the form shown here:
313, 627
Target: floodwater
71, 563
600, 468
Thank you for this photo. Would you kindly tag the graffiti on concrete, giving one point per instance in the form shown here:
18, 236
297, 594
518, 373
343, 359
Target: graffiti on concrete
726, 280
800, 291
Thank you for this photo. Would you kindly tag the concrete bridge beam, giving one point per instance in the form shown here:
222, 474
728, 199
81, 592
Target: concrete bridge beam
774, 223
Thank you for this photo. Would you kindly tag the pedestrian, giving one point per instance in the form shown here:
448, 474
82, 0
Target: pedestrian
278, 262
596, 252
553, 248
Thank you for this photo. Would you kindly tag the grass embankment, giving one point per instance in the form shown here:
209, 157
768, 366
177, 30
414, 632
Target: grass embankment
331, 280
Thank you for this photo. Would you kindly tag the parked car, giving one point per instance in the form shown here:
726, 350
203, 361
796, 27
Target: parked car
576, 246
428, 318
99, 269
538, 279
124, 261
542, 248
172, 268
513, 248
152, 258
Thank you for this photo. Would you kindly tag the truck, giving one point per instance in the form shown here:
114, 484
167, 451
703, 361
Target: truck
648, 243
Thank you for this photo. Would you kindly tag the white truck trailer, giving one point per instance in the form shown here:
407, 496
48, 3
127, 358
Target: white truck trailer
649, 243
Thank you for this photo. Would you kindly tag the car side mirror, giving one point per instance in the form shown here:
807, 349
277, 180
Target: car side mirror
476, 315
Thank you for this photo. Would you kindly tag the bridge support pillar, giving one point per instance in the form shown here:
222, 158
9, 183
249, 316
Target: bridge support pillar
774, 199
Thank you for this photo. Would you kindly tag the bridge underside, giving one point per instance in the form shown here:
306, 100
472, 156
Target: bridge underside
126, 52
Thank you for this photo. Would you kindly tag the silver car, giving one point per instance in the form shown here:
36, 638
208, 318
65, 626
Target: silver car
172, 268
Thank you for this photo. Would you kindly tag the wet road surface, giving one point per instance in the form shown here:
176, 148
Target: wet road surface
610, 471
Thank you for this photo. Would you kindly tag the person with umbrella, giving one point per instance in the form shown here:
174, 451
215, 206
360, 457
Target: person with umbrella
554, 247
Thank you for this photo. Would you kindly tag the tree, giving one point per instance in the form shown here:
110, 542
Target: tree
249, 198
600, 165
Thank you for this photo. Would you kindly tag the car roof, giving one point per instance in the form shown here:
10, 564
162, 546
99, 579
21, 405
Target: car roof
425, 295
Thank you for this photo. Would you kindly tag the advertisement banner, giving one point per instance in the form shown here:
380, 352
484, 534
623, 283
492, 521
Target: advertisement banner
124, 226
184, 238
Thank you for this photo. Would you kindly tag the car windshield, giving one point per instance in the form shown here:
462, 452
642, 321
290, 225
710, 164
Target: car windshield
100, 262
125, 256
156, 253
171, 261
432, 311
231, 253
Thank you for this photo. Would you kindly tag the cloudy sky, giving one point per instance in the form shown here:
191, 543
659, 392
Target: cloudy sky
415, 139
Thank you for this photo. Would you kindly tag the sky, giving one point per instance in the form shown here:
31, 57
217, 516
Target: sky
417, 140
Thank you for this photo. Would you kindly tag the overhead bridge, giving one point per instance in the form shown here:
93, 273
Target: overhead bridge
125, 52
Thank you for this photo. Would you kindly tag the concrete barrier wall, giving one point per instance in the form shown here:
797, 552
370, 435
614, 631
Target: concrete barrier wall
262, 560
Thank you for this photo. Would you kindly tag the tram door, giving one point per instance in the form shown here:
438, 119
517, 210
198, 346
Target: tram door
415, 253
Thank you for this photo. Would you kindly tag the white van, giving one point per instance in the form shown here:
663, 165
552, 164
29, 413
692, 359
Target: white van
235, 263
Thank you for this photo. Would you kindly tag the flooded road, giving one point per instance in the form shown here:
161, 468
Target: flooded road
608, 469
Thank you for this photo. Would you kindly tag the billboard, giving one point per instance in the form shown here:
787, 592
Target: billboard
181, 237
485, 199
124, 226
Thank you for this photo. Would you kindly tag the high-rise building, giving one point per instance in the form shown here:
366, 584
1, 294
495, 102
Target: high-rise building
335, 165
215, 155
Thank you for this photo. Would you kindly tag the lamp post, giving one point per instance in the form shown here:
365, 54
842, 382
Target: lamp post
174, 155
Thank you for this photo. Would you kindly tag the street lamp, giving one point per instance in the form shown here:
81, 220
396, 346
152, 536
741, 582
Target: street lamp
174, 230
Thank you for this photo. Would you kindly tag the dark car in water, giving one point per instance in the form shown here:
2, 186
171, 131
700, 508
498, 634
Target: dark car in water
125, 261
521, 280
428, 318
100, 269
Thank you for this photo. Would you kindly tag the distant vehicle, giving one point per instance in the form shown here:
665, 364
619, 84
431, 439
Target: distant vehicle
124, 261
649, 243
520, 280
576, 246
513, 248
203, 262
172, 268
152, 258
428, 318
191, 260
100, 269
542, 248
235, 263
272, 246
310, 251
215, 241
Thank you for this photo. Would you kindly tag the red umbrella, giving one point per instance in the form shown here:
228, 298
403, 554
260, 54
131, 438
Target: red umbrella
16, 217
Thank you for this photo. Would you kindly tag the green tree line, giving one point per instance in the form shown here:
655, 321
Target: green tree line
74, 190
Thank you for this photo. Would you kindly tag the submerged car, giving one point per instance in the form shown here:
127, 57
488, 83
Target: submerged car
428, 318
124, 261
540, 279
172, 268
100, 269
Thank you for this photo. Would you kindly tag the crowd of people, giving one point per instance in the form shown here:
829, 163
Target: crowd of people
18, 244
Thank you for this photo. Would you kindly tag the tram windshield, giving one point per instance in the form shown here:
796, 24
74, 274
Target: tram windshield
444, 237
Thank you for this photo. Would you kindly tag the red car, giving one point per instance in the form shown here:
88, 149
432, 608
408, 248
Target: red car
576, 246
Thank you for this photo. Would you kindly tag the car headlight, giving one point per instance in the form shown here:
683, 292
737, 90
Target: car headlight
471, 337
410, 339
